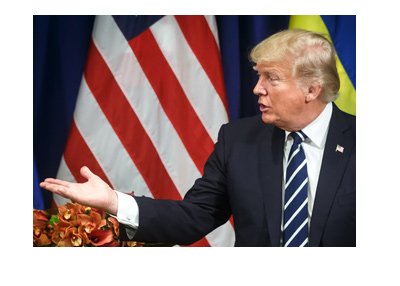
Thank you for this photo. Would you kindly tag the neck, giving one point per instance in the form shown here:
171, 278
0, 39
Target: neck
310, 113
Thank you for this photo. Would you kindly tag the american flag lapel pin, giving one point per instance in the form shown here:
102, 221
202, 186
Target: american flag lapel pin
339, 148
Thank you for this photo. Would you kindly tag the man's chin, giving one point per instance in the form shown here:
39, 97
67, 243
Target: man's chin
266, 118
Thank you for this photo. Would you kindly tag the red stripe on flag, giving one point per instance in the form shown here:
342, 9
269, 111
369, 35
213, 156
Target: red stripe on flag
194, 136
78, 154
202, 42
127, 126
201, 243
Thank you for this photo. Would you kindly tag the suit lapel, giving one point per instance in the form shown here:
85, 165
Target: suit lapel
271, 172
333, 165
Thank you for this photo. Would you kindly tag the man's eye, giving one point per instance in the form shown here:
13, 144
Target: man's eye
273, 78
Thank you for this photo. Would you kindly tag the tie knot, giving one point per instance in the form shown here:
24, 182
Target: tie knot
298, 137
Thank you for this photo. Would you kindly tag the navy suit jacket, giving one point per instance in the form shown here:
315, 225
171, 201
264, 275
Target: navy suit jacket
243, 178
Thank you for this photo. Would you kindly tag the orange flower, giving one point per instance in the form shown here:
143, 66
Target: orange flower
91, 221
76, 225
114, 243
68, 213
39, 237
59, 230
72, 237
114, 225
40, 221
100, 237
132, 243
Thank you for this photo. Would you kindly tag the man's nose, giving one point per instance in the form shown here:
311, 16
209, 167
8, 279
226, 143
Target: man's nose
259, 88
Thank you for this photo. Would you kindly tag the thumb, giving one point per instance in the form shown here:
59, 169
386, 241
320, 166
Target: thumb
86, 173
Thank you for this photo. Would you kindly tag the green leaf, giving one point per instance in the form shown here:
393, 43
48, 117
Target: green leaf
53, 219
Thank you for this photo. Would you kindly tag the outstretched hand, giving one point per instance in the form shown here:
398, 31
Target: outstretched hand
95, 192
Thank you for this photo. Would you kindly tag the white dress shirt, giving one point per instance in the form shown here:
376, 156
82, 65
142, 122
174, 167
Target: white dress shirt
316, 131
313, 147
128, 210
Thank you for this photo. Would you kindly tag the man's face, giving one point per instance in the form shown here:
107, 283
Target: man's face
280, 99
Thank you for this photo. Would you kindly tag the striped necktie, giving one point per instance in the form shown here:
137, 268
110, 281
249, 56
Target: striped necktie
295, 213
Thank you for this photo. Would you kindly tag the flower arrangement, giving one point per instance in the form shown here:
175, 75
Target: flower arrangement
73, 224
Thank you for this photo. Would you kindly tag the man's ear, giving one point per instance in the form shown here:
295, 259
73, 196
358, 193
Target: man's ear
313, 92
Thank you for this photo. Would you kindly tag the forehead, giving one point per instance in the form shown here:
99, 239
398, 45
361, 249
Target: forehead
276, 67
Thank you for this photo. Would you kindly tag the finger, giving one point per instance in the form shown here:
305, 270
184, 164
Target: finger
58, 182
54, 188
86, 173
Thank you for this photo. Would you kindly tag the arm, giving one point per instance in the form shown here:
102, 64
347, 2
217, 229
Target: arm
204, 208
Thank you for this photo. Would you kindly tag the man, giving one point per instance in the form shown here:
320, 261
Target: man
288, 178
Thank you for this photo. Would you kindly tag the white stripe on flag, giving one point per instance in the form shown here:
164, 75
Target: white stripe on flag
199, 90
106, 146
222, 236
212, 23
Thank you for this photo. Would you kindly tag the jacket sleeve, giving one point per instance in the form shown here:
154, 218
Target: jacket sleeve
204, 207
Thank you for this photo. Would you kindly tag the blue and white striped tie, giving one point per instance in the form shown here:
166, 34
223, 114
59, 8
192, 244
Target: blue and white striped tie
295, 214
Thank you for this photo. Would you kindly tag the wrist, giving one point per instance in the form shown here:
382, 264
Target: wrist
113, 206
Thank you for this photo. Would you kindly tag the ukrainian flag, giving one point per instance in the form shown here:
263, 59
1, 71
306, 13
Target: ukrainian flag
340, 30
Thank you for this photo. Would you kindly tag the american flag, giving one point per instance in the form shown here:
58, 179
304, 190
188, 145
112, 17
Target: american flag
149, 108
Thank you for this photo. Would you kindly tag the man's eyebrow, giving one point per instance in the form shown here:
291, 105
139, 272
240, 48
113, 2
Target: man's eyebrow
268, 70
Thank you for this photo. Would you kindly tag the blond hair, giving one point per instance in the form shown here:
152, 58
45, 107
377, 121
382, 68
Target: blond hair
312, 56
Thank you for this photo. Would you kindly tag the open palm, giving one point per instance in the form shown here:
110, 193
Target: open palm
94, 192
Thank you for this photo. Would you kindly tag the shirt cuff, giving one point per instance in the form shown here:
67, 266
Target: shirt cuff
128, 210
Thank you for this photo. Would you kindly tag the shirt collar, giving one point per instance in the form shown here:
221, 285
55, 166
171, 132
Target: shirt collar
316, 131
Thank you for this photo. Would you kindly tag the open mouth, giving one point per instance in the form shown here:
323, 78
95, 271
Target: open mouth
263, 107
